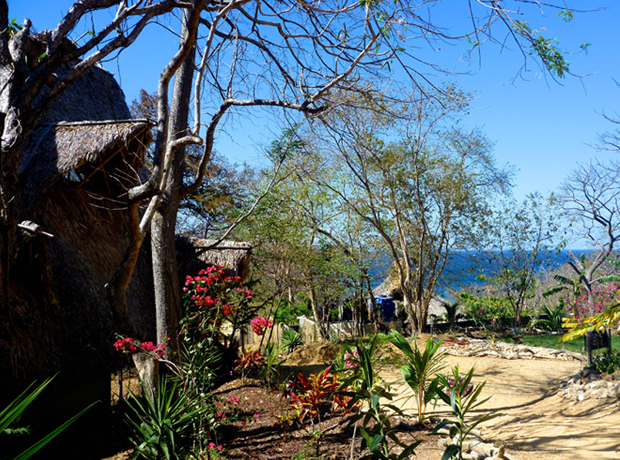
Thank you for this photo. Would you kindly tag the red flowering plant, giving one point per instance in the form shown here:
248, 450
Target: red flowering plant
260, 325
130, 345
585, 306
211, 298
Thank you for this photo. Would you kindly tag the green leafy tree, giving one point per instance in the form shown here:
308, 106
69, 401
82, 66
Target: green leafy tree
291, 257
415, 180
520, 238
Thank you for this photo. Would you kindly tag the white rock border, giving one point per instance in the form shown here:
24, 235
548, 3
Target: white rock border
474, 448
589, 384
486, 348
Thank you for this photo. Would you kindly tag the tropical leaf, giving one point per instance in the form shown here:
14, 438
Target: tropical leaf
17, 407
421, 368
42, 442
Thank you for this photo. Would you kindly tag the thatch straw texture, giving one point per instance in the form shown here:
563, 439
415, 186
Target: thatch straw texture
95, 96
70, 335
60, 321
54, 150
194, 256
389, 287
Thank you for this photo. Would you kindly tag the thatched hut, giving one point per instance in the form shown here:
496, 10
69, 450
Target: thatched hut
195, 254
76, 168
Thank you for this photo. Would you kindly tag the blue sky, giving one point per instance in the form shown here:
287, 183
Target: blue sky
541, 127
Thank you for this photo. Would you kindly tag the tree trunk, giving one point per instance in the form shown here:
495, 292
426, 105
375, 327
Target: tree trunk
373, 317
318, 316
417, 311
11, 140
421, 313
165, 271
165, 277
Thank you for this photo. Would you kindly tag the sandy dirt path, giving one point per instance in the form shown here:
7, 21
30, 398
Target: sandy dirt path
536, 423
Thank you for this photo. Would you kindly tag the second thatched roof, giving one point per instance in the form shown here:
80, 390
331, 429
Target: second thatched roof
195, 254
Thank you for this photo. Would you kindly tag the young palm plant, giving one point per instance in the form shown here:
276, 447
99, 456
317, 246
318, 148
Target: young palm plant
462, 397
379, 438
420, 370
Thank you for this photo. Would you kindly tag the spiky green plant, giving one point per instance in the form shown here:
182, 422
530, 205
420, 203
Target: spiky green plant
163, 424
16, 408
291, 340
555, 317
462, 397
420, 370
379, 438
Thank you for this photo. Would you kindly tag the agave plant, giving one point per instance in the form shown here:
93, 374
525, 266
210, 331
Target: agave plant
291, 340
163, 425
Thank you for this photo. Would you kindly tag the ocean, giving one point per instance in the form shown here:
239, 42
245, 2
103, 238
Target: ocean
464, 267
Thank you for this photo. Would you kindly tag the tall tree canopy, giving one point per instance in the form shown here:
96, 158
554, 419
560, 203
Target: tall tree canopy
290, 55
412, 177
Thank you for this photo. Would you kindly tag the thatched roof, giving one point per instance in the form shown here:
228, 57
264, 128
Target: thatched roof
88, 125
194, 256
54, 150
387, 288
94, 96
85, 147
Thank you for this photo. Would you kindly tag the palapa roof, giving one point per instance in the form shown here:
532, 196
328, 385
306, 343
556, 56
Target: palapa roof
388, 288
87, 125
56, 149
94, 96
85, 144
194, 256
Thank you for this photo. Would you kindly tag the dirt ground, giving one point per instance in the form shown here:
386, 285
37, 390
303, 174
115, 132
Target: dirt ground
536, 423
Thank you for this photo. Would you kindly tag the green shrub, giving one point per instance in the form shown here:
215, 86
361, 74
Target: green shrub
488, 312
271, 364
554, 322
163, 426
287, 313
607, 363
291, 340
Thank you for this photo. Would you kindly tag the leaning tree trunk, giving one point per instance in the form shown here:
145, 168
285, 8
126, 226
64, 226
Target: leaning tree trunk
11, 139
319, 317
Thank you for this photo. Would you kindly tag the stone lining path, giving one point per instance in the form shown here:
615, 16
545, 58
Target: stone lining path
485, 348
